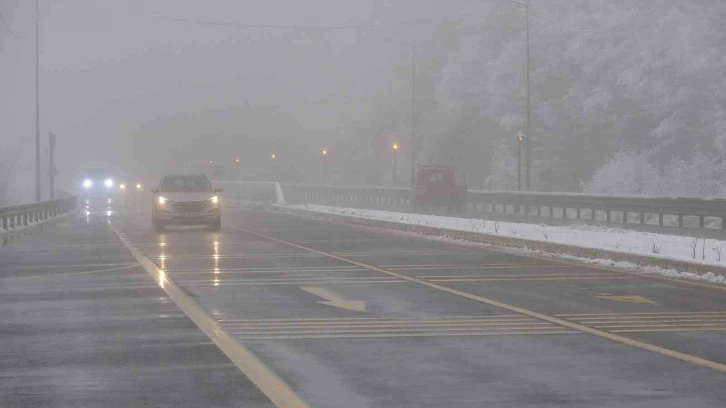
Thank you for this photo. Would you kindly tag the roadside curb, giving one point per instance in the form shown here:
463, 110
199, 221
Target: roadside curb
550, 247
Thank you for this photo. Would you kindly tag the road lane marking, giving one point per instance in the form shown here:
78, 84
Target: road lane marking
64, 266
529, 278
248, 256
360, 325
359, 321
454, 267
597, 267
518, 275
510, 328
399, 329
522, 254
51, 275
394, 335
247, 362
669, 330
552, 319
650, 318
588, 315
647, 324
332, 299
289, 279
251, 270
392, 253
363, 319
625, 298
219, 283
356, 326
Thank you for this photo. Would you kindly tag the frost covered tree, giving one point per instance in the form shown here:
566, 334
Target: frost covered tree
703, 175
625, 173
605, 74
503, 169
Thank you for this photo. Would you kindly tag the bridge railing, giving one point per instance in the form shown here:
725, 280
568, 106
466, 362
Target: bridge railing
20, 216
680, 215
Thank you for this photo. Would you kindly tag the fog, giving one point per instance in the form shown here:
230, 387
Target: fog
166, 86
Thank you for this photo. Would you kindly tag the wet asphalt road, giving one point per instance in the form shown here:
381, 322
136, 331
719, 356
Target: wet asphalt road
337, 329
84, 326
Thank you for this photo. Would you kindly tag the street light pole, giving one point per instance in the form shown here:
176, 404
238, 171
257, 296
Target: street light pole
324, 153
37, 104
528, 148
413, 105
395, 165
413, 113
51, 165
520, 139
529, 107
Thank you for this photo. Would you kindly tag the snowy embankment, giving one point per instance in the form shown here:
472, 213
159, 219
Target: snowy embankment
667, 247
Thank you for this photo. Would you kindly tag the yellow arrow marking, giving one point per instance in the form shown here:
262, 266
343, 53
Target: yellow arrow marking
334, 300
625, 298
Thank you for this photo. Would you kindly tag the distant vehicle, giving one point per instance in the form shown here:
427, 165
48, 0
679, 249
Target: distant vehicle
186, 200
97, 181
437, 186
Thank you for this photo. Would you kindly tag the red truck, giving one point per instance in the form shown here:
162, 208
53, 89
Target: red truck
438, 186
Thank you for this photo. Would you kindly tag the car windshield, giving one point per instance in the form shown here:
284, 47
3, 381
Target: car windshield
179, 184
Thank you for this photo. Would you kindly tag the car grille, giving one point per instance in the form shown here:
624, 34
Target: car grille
189, 206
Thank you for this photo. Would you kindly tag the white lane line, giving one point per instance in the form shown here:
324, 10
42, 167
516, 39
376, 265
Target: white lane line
590, 316
372, 319
249, 256
53, 275
388, 335
63, 266
260, 270
298, 283
247, 362
474, 267
403, 323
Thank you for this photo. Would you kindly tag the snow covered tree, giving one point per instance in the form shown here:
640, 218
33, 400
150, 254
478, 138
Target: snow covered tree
503, 169
625, 173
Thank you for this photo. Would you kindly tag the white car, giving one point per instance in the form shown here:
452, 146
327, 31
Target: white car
186, 200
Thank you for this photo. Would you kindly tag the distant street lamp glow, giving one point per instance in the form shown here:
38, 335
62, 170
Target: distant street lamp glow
236, 160
122, 186
273, 156
138, 186
325, 152
395, 146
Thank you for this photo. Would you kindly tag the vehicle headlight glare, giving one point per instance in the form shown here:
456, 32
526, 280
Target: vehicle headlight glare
214, 200
109, 183
162, 200
87, 183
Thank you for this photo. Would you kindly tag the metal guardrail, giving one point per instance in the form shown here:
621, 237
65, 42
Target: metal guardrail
20, 216
680, 215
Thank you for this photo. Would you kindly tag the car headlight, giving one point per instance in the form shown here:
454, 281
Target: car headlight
87, 183
109, 183
214, 200
162, 200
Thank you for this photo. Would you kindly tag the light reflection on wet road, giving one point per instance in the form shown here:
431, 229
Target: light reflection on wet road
321, 311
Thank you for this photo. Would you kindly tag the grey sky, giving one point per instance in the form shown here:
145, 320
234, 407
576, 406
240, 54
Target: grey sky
111, 72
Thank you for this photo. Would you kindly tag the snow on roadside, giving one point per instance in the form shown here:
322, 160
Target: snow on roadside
662, 246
